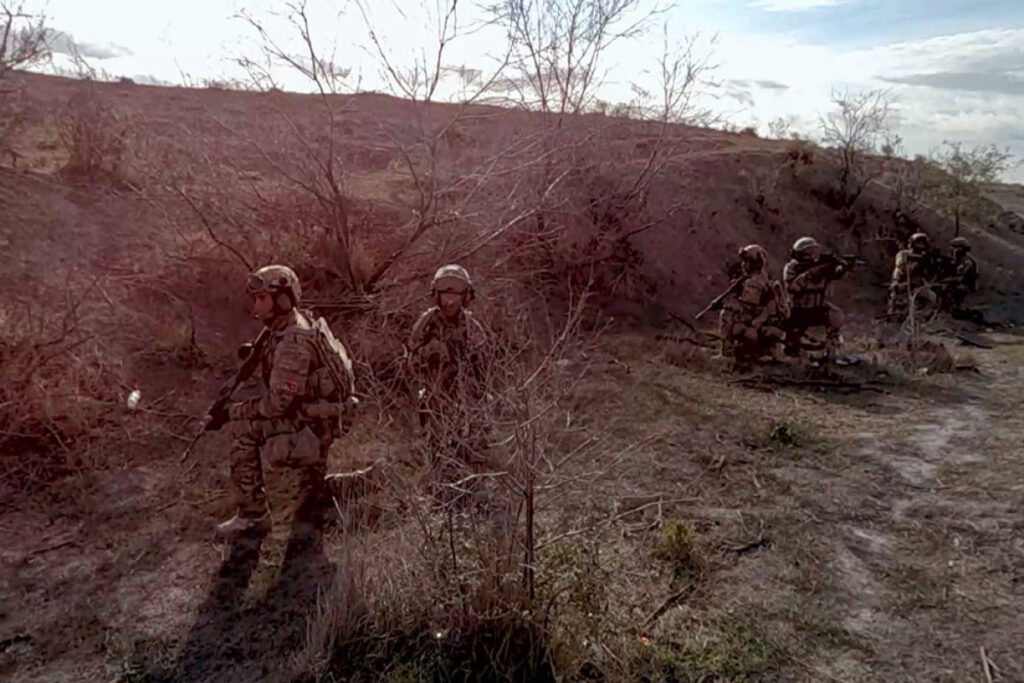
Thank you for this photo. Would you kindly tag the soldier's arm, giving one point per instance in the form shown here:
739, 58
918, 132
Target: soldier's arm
420, 347
794, 281
288, 376
899, 271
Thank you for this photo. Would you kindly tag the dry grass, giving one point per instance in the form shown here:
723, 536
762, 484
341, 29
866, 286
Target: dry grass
786, 533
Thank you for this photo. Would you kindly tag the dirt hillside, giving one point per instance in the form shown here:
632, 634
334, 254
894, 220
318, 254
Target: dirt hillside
863, 531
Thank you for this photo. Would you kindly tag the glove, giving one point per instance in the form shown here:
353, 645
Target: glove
216, 418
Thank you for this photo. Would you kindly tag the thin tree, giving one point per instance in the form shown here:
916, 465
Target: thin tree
855, 129
23, 38
558, 46
957, 192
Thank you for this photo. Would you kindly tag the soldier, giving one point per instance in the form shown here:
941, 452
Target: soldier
964, 278
751, 318
447, 358
308, 382
807, 278
910, 276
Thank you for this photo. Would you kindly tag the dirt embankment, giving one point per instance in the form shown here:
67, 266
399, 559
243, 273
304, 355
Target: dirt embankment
881, 522
718, 192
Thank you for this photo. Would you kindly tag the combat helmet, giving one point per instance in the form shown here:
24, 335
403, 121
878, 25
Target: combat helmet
452, 278
918, 239
804, 246
754, 252
276, 279
960, 243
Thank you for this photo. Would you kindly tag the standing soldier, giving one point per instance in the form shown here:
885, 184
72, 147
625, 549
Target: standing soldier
964, 278
447, 358
751, 317
807, 277
308, 380
910, 276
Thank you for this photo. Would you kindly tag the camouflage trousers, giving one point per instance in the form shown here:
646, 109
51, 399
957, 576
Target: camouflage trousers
283, 442
742, 341
801, 320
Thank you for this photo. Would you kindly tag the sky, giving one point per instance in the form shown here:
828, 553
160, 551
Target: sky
954, 67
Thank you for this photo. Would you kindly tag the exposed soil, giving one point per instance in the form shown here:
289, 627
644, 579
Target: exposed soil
863, 531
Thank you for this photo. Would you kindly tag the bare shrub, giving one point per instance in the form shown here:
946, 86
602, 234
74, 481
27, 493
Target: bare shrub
779, 128
23, 43
95, 139
55, 393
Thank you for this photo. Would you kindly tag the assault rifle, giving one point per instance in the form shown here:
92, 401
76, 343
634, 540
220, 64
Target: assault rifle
719, 301
831, 262
250, 356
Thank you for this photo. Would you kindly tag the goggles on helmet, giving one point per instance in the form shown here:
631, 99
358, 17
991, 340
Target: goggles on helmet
256, 284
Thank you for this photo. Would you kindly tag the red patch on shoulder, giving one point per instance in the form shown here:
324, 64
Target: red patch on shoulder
291, 386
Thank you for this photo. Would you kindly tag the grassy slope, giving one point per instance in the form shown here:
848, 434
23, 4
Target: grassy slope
891, 545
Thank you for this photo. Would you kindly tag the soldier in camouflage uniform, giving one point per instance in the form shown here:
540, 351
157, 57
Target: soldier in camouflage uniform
295, 406
447, 361
751, 320
807, 281
910, 277
964, 279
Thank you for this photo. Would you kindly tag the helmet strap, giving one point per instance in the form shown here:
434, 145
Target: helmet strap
283, 303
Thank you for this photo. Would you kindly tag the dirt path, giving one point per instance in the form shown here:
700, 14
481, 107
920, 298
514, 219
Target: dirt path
926, 555
895, 524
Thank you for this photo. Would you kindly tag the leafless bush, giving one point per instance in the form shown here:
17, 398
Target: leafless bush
95, 139
491, 574
56, 391
778, 128
23, 43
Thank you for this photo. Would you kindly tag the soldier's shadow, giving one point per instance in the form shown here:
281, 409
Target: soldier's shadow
233, 641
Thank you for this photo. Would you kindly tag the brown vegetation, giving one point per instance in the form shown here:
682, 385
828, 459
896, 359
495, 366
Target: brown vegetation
641, 517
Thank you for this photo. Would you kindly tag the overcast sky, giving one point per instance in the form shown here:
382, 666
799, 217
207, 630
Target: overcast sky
955, 66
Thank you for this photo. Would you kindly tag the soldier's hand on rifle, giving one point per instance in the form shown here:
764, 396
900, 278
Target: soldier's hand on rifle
215, 419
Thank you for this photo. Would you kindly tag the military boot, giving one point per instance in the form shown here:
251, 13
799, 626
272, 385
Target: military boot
241, 526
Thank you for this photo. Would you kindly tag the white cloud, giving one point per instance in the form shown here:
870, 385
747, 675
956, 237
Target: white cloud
793, 5
930, 76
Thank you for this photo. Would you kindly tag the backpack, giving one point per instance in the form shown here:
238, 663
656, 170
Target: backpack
333, 355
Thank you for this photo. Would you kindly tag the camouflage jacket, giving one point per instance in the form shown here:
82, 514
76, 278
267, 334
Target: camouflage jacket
966, 273
443, 355
289, 368
759, 301
809, 291
912, 268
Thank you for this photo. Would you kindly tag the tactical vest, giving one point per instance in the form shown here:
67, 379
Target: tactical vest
812, 294
331, 376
